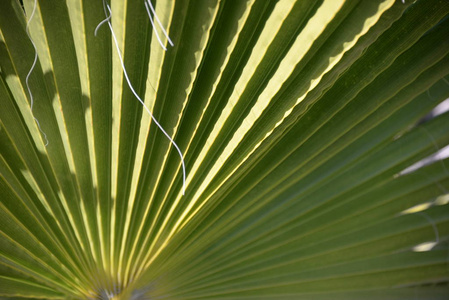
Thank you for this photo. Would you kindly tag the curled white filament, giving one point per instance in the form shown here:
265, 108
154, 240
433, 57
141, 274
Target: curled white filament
108, 20
31, 70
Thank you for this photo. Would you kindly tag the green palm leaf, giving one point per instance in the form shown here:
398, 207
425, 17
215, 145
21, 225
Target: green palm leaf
310, 171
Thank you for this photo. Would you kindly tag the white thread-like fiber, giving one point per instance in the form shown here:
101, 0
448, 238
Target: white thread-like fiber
31, 70
160, 24
108, 20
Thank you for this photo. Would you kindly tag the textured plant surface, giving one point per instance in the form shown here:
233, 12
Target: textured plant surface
299, 123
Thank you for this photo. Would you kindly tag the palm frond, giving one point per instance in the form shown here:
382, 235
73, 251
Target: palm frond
302, 126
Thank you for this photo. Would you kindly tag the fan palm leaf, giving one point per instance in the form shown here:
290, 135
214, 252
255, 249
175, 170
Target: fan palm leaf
281, 149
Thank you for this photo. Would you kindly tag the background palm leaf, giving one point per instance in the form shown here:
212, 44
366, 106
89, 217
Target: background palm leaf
299, 122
